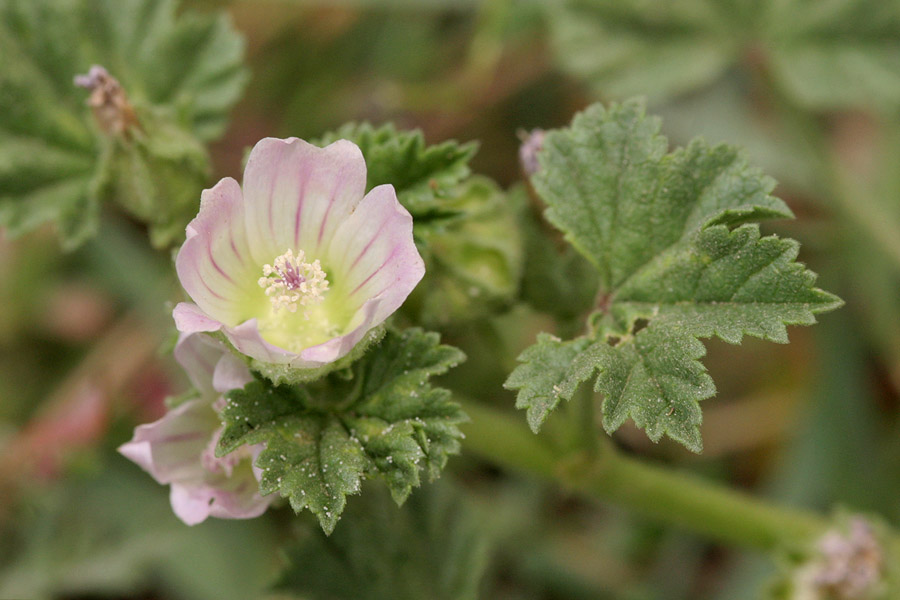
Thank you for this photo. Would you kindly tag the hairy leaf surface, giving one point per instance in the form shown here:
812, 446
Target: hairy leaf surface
675, 239
322, 439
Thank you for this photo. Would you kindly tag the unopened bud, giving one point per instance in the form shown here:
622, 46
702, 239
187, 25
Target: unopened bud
532, 142
108, 101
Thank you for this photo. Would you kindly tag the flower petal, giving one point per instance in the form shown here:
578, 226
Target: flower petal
214, 264
198, 355
235, 497
170, 448
373, 254
296, 194
189, 318
230, 374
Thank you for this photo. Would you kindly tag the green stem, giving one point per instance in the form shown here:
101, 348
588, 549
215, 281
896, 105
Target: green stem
672, 497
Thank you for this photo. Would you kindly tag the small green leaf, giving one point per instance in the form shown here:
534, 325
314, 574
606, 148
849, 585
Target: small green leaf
424, 176
675, 240
655, 378
186, 66
546, 376
322, 439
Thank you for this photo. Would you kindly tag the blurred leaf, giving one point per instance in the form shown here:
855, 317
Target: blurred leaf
191, 65
114, 534
837, 54
627, 47
827, 55
155, 177
433, 547
323, 439
679, 258
557, 281
472, 262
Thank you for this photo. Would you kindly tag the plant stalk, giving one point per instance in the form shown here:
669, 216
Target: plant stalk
672, 497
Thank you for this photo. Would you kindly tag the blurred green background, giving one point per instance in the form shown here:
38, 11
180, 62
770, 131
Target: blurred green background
810, 89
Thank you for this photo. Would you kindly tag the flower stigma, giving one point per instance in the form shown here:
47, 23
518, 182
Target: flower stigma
291, 282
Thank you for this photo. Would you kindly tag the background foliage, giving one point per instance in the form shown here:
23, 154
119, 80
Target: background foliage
810, 90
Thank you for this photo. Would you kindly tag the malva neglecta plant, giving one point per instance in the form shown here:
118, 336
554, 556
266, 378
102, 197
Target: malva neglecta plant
322, 299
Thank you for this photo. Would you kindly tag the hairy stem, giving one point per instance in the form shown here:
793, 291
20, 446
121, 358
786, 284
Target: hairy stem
672, 497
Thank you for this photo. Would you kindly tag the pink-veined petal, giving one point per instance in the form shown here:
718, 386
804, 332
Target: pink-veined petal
215, 265
189, 318
198, 355
235, 497
373, 254
170, 448
231, 373
296, 194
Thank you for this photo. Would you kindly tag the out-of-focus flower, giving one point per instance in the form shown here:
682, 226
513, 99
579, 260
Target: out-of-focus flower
298, 266
179, 449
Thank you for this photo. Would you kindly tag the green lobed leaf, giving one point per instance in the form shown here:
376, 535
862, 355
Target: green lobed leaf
188, 67
424, 176
653, 377
322, 439
726, 284
545, 376
680, 257
433, 547
620, 199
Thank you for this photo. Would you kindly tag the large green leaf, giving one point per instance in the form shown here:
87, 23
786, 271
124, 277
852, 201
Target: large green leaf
185, 69
322, 439
680, 257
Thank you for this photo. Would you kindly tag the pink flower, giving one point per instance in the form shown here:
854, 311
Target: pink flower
298, 266
179, 449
